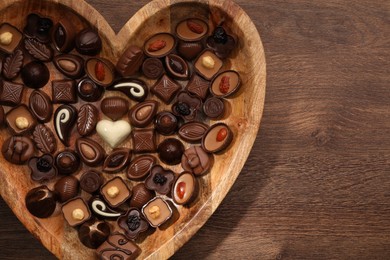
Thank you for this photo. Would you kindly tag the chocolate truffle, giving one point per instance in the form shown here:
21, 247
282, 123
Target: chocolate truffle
177, 67
217, 138
134, 89
159, 45
144, 140
90, 151
192, 132
130, 61
35, 74
17, 149
208, 64
165, 89
89, 91
67, 162
141, 115
186, 106
133, 223
214, 107
117, 160
101, 210
63, 35
117, 246
38, 27
115, 192
76, 211
88, 42
166, 123
64, 120
70, 65
91, 181
157, 211
225, 83
160, 180
41, 106
185, 188
140, 166
93, 233
41, 202
10, 38
141, 195
191, 29
196, 160
42, 168
152, 68
100, 70
114, 107
67, 187
12, 64
170, 151
11, 93
20, 120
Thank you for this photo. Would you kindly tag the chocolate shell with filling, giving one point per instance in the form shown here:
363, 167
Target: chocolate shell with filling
117, 160
177, 67
91, 152
142, 114
217, 138
185, 188
70, 65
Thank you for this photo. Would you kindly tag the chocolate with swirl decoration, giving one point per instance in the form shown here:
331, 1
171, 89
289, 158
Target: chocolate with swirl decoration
135, 89
117, 246
64, 120
100, 209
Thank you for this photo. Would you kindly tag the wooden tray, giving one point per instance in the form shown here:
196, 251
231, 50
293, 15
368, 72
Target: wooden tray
244, 119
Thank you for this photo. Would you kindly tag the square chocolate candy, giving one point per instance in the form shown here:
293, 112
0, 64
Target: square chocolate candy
144, 140
117, 246
10, 38
11, 93
76, 211
64, 91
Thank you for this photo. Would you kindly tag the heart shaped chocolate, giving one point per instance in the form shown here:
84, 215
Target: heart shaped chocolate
243, 116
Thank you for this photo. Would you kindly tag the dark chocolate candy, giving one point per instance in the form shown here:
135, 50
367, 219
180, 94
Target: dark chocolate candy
198, 86
152, 68
114, 107
87, 119
177, 67
18, 149
221, 42
117, 246
93, 233
144, 140
134, 89
141, 195
192, 132
38, 50
89, 91
160, 180
35, 74
192, 29
160, 45
141, 115
217, 138
10, 93
88, 42
38, 27
91, 181
64, 120
133, 223
189, 50
41, 106
115, 192
76, 211
140, 166
130, 61
12, 64
41, 202
225, 83
117, 160
2, 116
67, 187
196, 160
170, 151
70, 65
20, 120
11, 38
208, 64
64, 91
185, 188
186, 106
101, 210
63, 35
44, 139
100, 70
166, 123
157, 211
91, 152
42, 168
214, 107
67, 162
165, 89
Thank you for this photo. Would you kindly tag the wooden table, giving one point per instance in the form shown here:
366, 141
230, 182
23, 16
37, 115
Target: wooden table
317, 182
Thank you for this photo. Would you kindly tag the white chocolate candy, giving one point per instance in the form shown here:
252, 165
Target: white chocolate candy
113, 133
100, 208
135, 89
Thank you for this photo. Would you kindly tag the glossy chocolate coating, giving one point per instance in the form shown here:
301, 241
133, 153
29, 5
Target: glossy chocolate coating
177, 67
165, 89
117, 160
141, 195
88, 90
140, 166
114, 107
64, 91
63, 35
166, 123
20, 113
38, 50
133, 223
87, 119
2, 116
67, 162
38, 27
185, 188
41, 106
206, 72
18, 149
221, 42
130, 61
165, 212
12, 64
196, 160
117, 246
141, 115
44, 139
100, 70
42, 168
170, 151
134, 89
88, 42
214, 107
11, 93
144, 140
91, 152
152, 68
41, 202
16, 38
192, 29
67, 187
76, 204
70, 65
100, 209
189, 50
160, 180
192, 132
35, 74
167, 43
212, 141
225, 83
64, 120
91, 181
93, 233
123, 192
198, 86
186, 106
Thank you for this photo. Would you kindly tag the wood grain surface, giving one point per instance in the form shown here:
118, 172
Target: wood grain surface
317, 182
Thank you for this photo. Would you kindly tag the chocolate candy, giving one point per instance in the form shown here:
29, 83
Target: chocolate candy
64, 91
42, 168
152, 68
114, 107
165, 89
41, 202
189, 50
67, 187
177, 67
11, 93
12, 64
67, 162
2, 115
115, 192
160, 180
89, 91
93, 233
70, 65
225, 83
186, 106
196, 160
100, 209
17, 149
130, 61
221, 42
198, 86
117, 246
159, 45
76, 211
87, 119
91, 152
117, 160
144, 140
44, 139
166, 123
64, 120
141, 115
40, 106
20, 120
113, 133
133, 223
208, 64
192, 29
100, 70
214, 107
157, 211
91, 181
88, 42
185, 188
134, 89
192, 132
10, 38
170, 151
141, 195
38, 50
140, 167
38, 27
217, 138
63, 35
35, 74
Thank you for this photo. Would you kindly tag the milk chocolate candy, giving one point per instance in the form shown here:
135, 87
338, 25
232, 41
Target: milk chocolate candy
42, 168
100, 70
217, 138
38, 27
115, 192
88, 42
208, 64
159, 45
196, 160
117, 246
12, 64
189, 50
67, 187
64, 120
87, 119
192, 132
157, 211
93, 233
91, 181
214, 107
225, 83
185, 188
41, 202
141, 195
133, 223
130, 61
140, 166
165, 89
144, 140
64, 91
35, 74
67, 162
18, 149
170, 151
70, 65
152, 68
141, 115
186, 106
91, 152
134, 89
76, 211
63, 35
192, 29
10, 93
41, 106
10, 38
114, 107
160, 180
38, 50
166, 123
20, 120
88, 90
44, 139
198, 86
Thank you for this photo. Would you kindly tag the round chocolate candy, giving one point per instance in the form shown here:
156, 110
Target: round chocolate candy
35, 74
225, 83
88, 42
217, 138
185, 188
67, 162
42, 168
67, 187
93, 233
91, 181
170, 151
152, 68
89, 91
18, 149
41, 202
166, 123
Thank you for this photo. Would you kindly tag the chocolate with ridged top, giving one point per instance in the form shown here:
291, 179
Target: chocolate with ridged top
140, 166
10, 93
114, 107
130, 61
214, 107
67, 187
141, 195
41, 106
165, 89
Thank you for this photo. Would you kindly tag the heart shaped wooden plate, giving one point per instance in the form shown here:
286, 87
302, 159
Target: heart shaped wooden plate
244, 119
